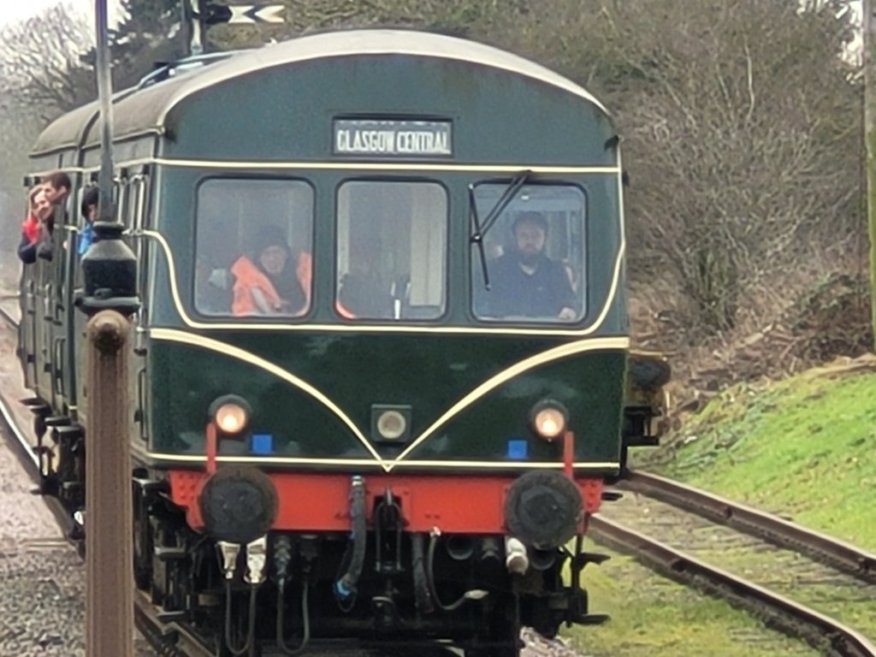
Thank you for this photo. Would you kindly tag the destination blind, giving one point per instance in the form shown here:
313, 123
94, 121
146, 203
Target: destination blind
400, 139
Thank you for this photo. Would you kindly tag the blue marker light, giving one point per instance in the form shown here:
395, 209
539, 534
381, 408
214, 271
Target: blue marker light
261, 444
517, 448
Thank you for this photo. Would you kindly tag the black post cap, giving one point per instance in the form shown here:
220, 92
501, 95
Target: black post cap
110, 269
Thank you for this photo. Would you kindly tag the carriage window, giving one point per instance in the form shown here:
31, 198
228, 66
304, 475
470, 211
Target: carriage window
392, 241
253, 251
534, 255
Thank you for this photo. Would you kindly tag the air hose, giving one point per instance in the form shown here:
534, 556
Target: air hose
345, 587
430, 577
282, 559
249, 644
421, 581
305, 621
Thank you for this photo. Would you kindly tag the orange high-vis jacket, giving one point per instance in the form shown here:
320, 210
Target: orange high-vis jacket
248, 277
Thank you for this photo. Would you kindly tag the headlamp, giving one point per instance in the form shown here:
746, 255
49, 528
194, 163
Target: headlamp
549, 419
231, 414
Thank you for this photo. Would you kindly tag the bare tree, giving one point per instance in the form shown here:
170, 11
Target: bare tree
40, 66
741, 125
745, 145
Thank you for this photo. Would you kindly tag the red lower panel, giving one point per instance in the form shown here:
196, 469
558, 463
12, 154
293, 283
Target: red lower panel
320, 502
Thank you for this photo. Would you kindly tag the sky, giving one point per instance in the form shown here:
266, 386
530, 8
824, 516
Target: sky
14, 11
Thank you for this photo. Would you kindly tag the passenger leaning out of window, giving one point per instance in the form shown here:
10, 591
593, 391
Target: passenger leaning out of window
36, 231
57, 187
270, 280
89, 214
37, 228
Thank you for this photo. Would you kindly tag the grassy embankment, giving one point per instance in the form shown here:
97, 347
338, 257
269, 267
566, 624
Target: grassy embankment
805, 448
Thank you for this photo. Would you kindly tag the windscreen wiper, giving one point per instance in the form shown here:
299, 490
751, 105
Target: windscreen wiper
477, 236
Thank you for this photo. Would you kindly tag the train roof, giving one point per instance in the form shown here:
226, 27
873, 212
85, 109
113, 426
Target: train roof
143, 110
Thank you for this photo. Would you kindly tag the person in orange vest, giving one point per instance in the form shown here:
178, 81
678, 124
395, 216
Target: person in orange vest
269, 280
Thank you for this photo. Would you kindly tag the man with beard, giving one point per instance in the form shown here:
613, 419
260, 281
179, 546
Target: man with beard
525, 282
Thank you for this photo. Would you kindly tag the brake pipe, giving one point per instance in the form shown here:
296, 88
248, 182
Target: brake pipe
345, 587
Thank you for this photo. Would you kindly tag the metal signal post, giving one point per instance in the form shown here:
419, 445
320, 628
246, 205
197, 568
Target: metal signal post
109, 554
109, 269
104, 94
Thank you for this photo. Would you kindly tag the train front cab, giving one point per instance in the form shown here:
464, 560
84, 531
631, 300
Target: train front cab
418, 465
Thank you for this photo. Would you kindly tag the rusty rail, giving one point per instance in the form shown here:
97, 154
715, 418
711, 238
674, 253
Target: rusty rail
168, 639
820, 547
821, 632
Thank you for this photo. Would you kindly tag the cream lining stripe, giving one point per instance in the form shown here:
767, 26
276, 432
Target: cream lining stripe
348, 165
380, 328
278, 460
248, 357
556, 353
577, 347
352, 165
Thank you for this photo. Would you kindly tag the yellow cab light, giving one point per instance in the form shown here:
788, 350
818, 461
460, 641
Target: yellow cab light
549, 419
231, 414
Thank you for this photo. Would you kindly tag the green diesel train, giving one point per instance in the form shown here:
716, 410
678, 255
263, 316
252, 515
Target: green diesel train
380, 362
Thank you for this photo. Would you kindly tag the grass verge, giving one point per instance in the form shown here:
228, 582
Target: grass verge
804, 448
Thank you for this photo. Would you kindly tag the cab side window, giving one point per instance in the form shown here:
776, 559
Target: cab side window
253, 254
534, 255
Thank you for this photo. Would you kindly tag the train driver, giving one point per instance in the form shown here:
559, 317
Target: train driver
270, 281
526, 282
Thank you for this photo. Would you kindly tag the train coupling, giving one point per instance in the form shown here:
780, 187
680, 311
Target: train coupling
228, 557
256, 560
516, 556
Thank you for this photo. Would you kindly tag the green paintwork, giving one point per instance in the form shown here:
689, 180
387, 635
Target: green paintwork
494, 121
497, 116
429, 373
283, 113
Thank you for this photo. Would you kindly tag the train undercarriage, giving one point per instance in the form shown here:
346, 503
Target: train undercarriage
266, 593
378, 584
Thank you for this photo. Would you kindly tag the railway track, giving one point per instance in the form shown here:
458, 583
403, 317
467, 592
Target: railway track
820, 547
663, 505
167, 641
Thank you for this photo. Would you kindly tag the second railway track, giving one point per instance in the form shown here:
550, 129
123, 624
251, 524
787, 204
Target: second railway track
751, 558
